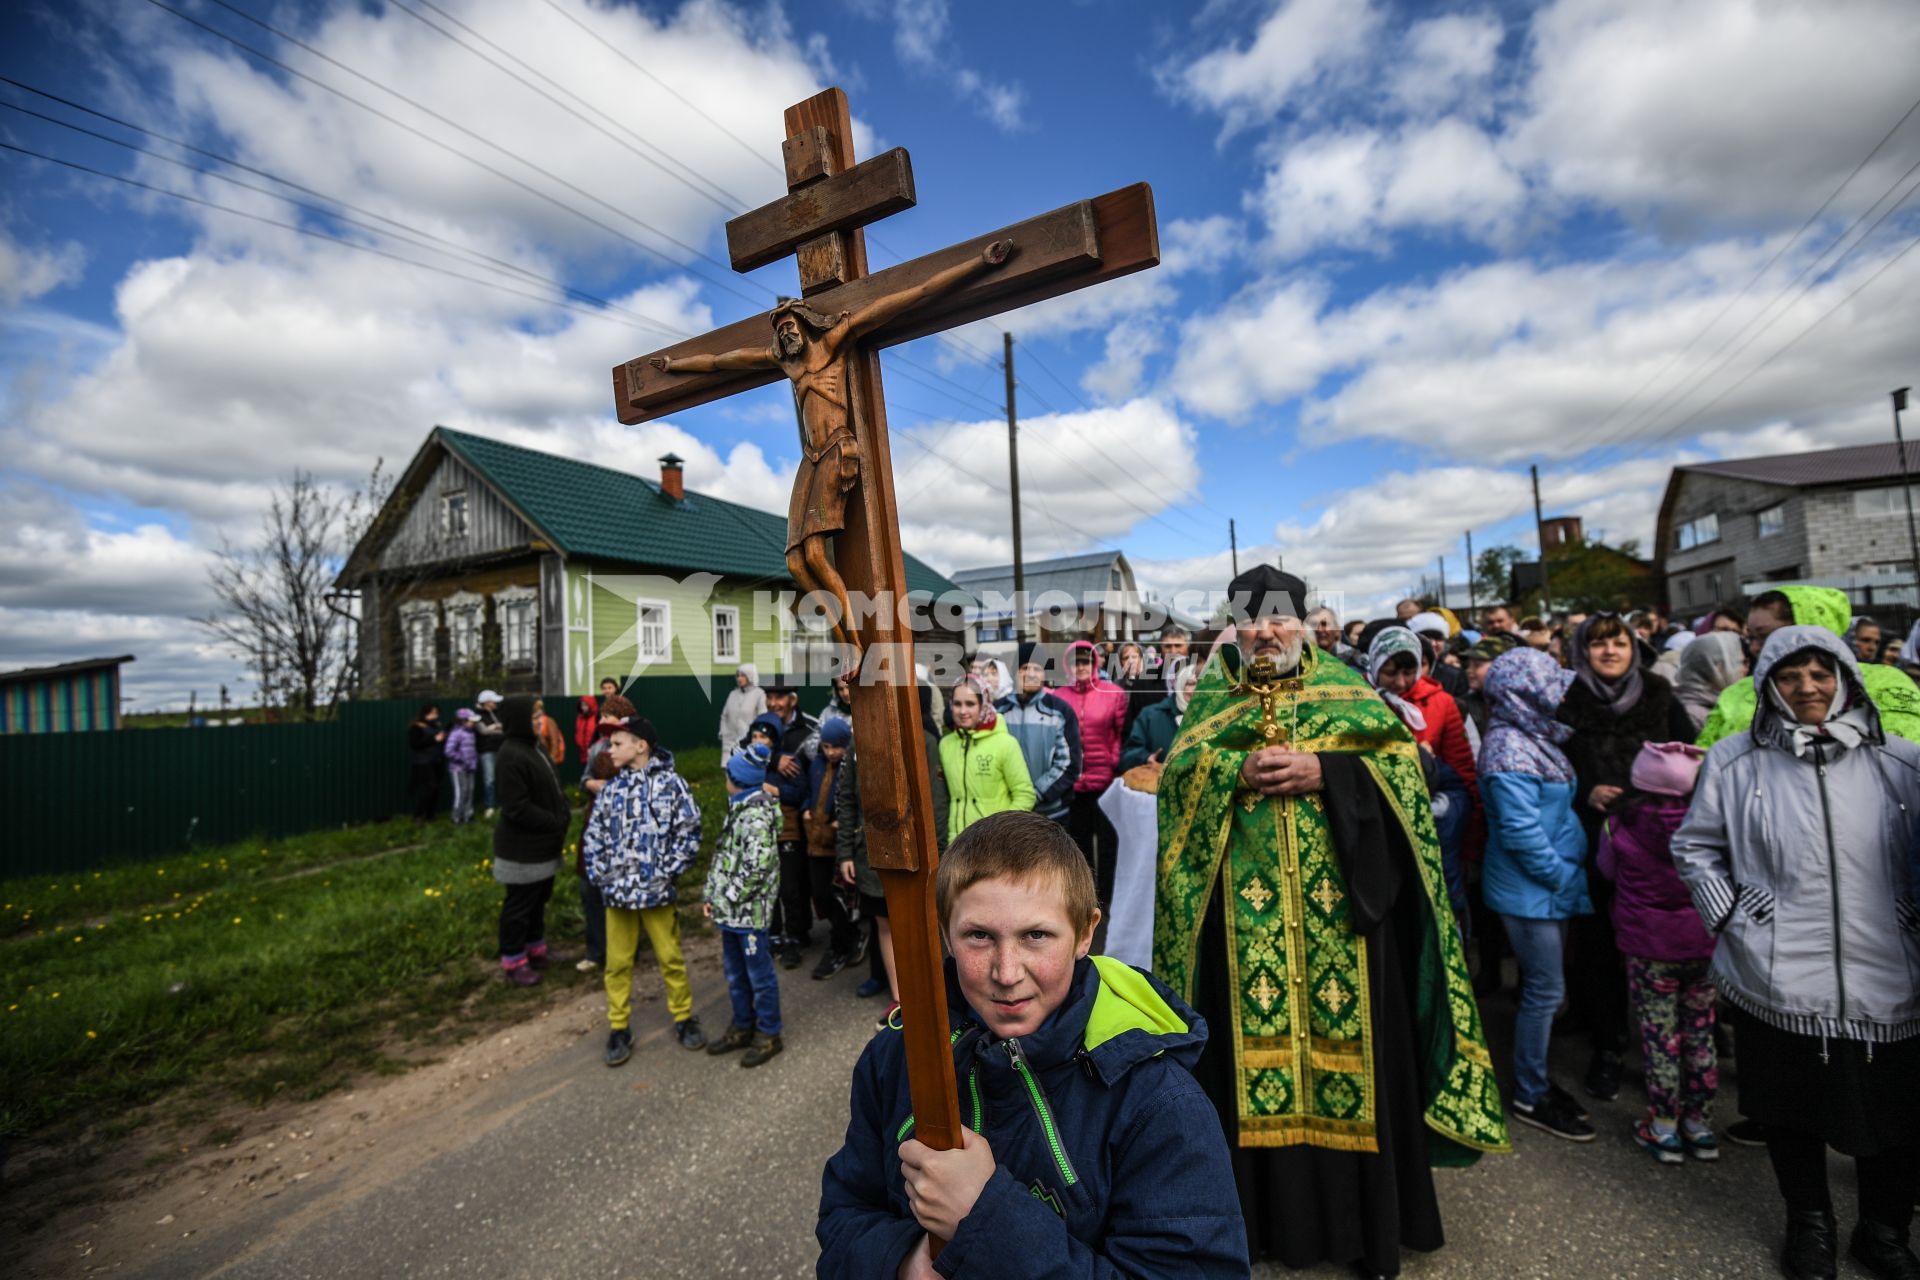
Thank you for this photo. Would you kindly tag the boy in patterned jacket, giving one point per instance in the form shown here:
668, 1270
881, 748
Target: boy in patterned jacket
642, 834
741, 884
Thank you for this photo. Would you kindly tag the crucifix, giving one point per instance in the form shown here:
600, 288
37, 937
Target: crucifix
843, 531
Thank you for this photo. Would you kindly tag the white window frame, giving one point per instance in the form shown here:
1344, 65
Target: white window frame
418, 660
1689, 534
730, 616
507, 605
466, 620
446, 514
640, 630
1884, 501
1775, 515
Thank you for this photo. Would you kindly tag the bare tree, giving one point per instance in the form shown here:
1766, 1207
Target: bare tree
274, 611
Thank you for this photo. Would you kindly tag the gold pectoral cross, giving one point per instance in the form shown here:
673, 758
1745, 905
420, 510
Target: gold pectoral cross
1263, 682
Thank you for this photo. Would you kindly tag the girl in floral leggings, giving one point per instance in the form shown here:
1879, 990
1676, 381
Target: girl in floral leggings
1667, 950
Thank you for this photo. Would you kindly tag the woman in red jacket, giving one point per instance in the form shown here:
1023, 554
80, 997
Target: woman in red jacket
1101, 706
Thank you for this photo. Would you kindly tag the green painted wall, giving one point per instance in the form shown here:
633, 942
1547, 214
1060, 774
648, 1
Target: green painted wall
611, 639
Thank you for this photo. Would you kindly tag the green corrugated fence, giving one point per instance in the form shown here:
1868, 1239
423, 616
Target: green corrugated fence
76, 801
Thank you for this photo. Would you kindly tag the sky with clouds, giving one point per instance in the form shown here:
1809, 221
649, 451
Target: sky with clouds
1409, 249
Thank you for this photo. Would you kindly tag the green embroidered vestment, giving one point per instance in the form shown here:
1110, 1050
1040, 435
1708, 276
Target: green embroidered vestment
1302, 1037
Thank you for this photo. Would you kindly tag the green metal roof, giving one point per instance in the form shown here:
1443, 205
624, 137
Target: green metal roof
597, 512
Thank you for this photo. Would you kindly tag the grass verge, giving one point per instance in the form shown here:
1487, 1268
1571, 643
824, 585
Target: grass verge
262, 970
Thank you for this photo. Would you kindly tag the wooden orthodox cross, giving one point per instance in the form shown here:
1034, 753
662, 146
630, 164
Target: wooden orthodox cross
828, 346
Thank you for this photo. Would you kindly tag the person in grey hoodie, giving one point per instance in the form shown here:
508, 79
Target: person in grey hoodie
1798, 852
745, 703
1048, 731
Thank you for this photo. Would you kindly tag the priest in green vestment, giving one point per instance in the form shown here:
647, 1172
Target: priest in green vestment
1302, 910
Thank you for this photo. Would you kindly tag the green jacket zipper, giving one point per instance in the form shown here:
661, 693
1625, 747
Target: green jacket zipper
906, 1126
1025, 1072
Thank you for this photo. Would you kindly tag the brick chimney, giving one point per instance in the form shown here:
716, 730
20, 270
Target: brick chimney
671, 483
1562, 531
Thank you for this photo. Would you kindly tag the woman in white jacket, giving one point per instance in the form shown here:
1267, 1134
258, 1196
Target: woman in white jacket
1798, 851
745, 701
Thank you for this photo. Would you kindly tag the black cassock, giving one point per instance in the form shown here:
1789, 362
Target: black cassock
1308, 1205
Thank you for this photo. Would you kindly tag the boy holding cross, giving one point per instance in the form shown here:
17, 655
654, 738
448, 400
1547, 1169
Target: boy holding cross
1087, 1136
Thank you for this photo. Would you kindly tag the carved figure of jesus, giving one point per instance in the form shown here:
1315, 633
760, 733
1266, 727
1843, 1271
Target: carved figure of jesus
812, 350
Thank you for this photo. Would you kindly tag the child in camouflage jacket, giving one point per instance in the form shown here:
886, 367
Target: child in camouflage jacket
741, 883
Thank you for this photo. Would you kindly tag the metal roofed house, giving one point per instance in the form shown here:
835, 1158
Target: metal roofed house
498, 565
1090, 596
1832, 517
66, 698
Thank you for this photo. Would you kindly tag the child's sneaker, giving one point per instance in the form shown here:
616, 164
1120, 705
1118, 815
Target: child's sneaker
1664, 1147
1699, 1140
586, 966
537, 955
687, 1032
763, 1049
520, 973
619, 1046
830, 964
735, 1038
870, 988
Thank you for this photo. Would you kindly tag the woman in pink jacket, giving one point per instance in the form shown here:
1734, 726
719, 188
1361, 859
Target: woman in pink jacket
1102, 707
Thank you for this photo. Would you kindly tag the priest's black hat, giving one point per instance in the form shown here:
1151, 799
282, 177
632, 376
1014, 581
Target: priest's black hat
1265, 591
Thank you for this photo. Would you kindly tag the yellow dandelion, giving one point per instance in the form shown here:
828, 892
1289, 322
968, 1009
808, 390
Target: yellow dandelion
54, 996
78, 938
236, 919
160, 871
12, 1007
93, 1035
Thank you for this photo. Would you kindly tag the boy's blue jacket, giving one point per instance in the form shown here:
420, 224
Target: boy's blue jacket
642, 834
801, 740
1141, 1183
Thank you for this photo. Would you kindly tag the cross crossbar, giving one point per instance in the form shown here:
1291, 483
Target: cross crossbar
871, 190
1075, 246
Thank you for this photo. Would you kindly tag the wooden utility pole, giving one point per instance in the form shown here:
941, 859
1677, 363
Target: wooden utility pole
1906, 480
1233, 540
1540, 536
1013, 475
1443, 582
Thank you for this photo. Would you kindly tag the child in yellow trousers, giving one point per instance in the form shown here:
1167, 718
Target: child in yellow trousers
644, 832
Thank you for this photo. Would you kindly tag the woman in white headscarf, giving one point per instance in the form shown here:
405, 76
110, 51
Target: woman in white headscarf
1708, 666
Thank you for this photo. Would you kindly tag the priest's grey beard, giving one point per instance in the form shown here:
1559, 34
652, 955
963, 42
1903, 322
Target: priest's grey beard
1286, 653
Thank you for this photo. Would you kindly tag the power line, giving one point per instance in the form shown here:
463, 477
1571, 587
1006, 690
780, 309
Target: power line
682, 98
724, 200
1777, 316
1780, 253
449, 148
451, 247
305, 231
1789, 343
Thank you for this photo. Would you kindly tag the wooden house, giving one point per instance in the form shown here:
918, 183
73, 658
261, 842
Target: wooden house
494, 565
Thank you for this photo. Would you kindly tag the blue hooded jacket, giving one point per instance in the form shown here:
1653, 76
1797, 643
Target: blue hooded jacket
801, 740
1110, 1160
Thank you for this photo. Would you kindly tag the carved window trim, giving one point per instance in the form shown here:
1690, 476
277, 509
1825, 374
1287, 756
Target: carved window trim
466, 620
517, 610
419, 619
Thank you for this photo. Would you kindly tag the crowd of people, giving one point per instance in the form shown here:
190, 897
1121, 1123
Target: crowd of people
1698, 840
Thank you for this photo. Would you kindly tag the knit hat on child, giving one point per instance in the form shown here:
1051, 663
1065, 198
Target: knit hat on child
748, 769
836, 733
1667, 768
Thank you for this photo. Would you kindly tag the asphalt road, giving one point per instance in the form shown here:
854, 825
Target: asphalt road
679, 1164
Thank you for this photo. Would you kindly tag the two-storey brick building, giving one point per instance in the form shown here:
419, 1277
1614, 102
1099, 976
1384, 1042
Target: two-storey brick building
1837, 517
